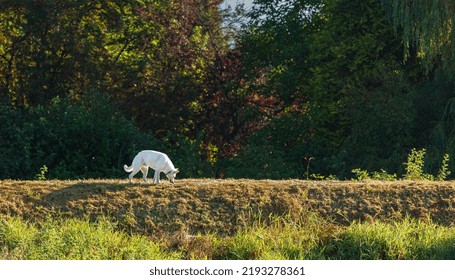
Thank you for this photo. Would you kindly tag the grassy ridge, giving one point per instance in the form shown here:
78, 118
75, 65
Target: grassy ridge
227, 219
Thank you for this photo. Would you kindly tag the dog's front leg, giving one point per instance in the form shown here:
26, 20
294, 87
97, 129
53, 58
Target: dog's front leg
156, 177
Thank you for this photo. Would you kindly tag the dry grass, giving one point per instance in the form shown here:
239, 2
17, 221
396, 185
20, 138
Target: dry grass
223, 207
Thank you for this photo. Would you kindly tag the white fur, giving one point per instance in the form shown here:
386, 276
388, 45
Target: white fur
157, 161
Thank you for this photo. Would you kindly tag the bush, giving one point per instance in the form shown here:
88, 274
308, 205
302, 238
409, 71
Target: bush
16, 133
86, 138
186, 155
275, 152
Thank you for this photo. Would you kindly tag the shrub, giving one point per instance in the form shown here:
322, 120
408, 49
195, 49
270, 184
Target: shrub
415, 164
16, 145
274, 152
86, 138
186, 155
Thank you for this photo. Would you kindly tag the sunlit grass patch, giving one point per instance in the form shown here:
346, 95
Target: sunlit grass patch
280, 238
63, 239
406, 239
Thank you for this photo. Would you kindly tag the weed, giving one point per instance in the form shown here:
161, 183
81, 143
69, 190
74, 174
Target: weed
42, 175
281, 238
320, 177
308, 160
361, 175
444, 172
415, 165
382, 175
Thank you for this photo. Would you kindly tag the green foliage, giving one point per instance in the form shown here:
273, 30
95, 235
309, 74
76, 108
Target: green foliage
16, 138
361, 174
254, 104
415, 164
315, 239
274, 152
89, 139
375, 175
273, 238
186, 155
415, 167
361, 105
259, 162
279, 238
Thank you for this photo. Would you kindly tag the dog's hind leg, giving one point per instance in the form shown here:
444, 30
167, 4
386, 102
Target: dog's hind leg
137, 165
132, 174
145, 170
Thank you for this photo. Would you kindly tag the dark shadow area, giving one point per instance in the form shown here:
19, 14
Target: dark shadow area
84, 191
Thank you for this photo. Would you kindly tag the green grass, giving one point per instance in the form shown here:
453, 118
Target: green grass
73, 239
271, 238
314, 238
407, 239
280, 238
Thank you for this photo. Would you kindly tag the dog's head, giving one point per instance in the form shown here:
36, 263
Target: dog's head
171, 175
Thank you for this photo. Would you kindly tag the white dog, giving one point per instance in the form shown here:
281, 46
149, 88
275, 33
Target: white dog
157, 161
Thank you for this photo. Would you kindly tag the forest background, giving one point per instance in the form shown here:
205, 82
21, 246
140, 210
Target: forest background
286, 89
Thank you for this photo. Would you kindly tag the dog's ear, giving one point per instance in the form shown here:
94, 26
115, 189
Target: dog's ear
177, 171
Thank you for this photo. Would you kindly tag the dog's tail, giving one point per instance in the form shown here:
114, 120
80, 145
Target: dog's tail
128, 169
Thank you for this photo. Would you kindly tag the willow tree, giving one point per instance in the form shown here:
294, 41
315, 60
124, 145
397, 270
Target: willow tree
426, 28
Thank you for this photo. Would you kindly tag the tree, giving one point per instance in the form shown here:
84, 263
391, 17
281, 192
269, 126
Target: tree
53, 48
361, 106
426, 26
275, 50
164, 68
149, 56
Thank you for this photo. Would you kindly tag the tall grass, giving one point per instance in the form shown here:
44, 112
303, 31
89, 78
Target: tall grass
314, 238
407, 239
73, 239
272, 238
280, 238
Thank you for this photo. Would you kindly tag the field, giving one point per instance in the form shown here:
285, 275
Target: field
229, 219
